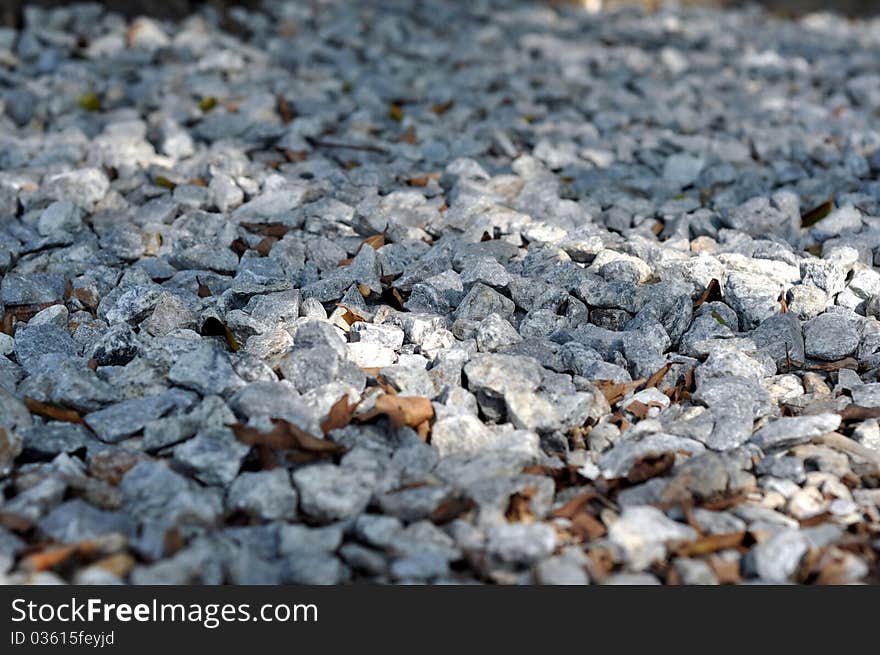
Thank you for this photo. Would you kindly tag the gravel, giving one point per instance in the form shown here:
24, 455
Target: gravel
598, 307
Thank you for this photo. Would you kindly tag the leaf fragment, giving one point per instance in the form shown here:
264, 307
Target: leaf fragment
340, 415
615, 391
90, 101
207, 103
54, 412
286, 436
711, 293
395, 112
402, 411
710, 543
267, 229
816, 214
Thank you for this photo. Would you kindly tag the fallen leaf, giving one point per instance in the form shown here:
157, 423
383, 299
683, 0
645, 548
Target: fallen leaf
442, 107
817, 213
265, 246
408, 136
286, 436
710, 543
615, 391
351, 317
339, 416
375, 242
90, 101
575, 505
295, 156
655, 379
267, 229
641, 410
55, 412
119, 564
49, 558
726, 570
203, 291
15, 522
214, 327
451, 509
395, 112
650, 467
420, 180
401, 410
27, 312
711, 293
207, 103
519, 509
164, 182
283, 109
239, 246
783, 305
859, 413
847, 362
587, 527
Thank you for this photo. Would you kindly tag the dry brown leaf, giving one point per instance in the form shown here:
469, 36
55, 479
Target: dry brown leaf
340, 415
49, 558
286, 436
401, 410
640, 409
295, 156
267, 229
451, 509
375, 242
442, 107
15, 522
710, 543
408, 136
265, 246
817, 213
350, 316
119, 564
214, 327
726, 570
27, 312
711, 293
239, 246
519, 509
650, 467
655, 379
283, 108
858, 413
574, 505
203, 291
55, 412
615, 391
395, 112
847, 362
587, 527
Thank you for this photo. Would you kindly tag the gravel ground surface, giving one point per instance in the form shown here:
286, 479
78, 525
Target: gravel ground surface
440, 292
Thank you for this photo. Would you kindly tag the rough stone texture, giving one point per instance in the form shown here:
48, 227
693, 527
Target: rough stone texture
320, 293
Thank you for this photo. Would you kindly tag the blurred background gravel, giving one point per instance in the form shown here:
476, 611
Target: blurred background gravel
10, 10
